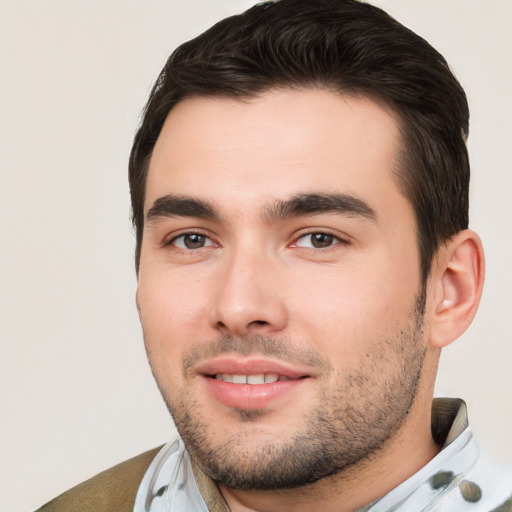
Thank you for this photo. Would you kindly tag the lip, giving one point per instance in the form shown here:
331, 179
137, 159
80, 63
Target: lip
249, 396
253, 366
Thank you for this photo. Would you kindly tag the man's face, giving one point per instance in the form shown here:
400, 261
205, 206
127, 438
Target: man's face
279, 285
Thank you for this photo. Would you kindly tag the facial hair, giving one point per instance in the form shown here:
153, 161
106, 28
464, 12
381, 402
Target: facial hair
353, 419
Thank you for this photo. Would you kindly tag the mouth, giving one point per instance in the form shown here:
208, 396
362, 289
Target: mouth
253, 384
253, 379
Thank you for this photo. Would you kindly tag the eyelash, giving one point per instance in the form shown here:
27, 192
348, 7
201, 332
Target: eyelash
209, 241
335, 239
332, 238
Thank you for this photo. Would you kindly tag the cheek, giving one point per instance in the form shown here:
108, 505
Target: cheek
172, 315
342, 319
347, 311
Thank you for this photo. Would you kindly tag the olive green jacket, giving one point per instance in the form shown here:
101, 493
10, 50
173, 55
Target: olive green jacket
113, 490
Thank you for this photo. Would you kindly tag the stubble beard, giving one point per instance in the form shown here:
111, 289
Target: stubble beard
353, 422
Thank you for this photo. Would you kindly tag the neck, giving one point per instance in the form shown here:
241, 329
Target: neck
354, 487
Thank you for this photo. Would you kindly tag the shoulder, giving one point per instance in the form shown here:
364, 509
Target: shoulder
113, 490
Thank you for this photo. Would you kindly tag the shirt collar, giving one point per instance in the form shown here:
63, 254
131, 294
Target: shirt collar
458, 454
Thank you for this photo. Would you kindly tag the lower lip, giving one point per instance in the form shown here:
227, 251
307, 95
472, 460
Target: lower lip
251, 396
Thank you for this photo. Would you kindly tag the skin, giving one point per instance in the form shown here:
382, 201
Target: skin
344, 314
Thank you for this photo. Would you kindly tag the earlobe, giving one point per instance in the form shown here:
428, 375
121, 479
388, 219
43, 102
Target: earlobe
459, 275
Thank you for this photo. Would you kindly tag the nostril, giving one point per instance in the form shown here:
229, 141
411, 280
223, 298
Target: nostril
259, 322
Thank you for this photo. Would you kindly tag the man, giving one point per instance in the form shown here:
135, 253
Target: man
299, 188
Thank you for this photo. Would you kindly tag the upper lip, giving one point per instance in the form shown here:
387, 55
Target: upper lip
252, 366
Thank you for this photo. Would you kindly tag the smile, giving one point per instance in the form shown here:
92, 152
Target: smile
255, 379
252, 383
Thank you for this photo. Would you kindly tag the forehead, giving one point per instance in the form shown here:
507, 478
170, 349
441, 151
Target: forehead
279, 143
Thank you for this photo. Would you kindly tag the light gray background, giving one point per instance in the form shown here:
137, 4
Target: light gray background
76, 392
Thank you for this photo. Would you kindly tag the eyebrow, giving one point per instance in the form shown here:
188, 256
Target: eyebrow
296, 206
318, 203
181, 206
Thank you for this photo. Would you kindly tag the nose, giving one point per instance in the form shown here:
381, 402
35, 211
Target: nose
250, 298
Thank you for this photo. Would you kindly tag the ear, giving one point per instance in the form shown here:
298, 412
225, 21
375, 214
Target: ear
458, 277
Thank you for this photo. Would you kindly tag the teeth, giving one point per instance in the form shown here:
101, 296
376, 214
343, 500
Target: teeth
259, 378
256, 379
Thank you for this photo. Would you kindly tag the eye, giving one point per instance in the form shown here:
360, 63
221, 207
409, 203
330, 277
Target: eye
318, 240
191, 241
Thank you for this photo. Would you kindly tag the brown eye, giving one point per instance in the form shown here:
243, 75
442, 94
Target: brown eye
192, 241
317, 240
320, 240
